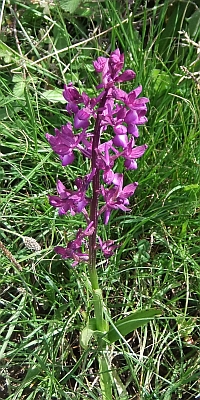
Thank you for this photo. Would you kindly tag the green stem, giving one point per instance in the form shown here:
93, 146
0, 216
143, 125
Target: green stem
98, 310
105, 376
93, 277
101, 323
97, 293
95, 196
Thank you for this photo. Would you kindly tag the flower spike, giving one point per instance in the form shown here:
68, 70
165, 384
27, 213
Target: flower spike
104, 130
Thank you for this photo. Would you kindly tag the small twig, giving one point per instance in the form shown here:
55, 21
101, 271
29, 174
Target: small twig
190, 75
189, 41
195, 76
43, 37
81, 43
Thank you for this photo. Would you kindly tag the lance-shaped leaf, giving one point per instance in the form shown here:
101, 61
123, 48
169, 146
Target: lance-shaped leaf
130, 323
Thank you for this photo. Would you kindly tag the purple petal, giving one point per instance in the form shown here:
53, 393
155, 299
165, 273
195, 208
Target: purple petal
138, 151
83, 114
67, 159
89, 229
107, 247
141, 100
116, 61
71, 94
121, 113
55, 201
62, 251
134, 94
67, 130
61, 211
131, 117
99, 64
120, 129
81, 120
133, 130
120, 140
72, 108
60, 187
142, 121
85, 99
129, 190
107, 216
127, 75
119, 94
116, 56
130, 164
108, 176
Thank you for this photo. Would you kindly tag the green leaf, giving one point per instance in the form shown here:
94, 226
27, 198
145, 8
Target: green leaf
32, 374
161, 80
54, 96
70, 5
7, 53
130, 323
4, 53
18, 90
87, 333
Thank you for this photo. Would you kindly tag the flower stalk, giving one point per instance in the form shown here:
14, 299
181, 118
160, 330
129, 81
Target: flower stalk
94, 200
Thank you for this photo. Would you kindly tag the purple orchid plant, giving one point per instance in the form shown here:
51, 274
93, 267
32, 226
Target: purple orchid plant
116, 115
121, 111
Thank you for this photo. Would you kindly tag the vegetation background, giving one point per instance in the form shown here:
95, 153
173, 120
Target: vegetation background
44, 44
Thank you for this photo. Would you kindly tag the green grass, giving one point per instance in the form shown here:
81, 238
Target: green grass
44, 307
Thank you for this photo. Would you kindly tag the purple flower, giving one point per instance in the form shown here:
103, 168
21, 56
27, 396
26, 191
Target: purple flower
136, 108
120, 140
131, 154
114, 116
124, 118
73, 249
105, 161
108, 247
73, 98
69, 200
99, 64
110, 68
116, 197
83, 183
64, 142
